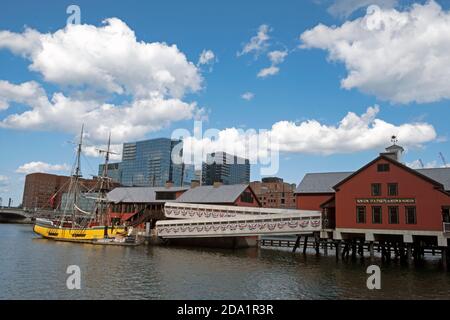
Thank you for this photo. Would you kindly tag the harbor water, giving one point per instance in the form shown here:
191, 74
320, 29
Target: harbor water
35, 268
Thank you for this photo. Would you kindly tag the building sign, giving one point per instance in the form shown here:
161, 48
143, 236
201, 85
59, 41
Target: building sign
386, 201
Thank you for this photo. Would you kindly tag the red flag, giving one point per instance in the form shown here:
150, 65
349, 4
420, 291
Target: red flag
52, 200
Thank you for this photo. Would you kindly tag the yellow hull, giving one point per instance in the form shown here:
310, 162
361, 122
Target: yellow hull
77, 235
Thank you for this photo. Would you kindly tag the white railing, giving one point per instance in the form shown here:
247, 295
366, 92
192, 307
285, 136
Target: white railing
193, 211
447, 227
237, 226
200, 220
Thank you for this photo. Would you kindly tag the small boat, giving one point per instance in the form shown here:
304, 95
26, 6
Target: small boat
118, 241
77, 225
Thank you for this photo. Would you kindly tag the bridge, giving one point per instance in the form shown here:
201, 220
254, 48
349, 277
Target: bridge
14, 215
207, 221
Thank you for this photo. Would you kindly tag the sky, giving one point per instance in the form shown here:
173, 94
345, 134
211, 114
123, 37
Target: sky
326, 82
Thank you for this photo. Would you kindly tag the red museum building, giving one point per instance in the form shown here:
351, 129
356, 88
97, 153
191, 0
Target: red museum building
384, 199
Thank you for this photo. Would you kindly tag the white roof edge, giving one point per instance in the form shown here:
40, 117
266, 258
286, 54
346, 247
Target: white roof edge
238, 208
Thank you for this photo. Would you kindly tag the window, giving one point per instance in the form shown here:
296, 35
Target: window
411, 215
360, 214
392, 189
376, 189
383, 167
393, 215
246, 197
160, 195
376, 215
446, 214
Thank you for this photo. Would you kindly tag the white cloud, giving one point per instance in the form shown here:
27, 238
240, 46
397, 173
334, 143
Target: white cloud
93, 151
276, 57
126, 122
269, 71
248, 96
108, 58
258, 43
352, 134
344, 8
38, 166
206, 57
417, 164
92, 66
4, 181
24, 44
27, 92
397, 56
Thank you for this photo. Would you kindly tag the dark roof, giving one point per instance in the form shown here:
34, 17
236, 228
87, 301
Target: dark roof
324, 182
441, 175
321, 182
395, 147
211, 194
139, 194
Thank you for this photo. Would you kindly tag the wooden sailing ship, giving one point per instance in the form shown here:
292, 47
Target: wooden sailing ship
77, 225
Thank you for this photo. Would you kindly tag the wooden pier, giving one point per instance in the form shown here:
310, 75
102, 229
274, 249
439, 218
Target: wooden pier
354, 248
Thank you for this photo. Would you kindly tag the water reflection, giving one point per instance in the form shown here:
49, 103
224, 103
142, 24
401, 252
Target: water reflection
34, 268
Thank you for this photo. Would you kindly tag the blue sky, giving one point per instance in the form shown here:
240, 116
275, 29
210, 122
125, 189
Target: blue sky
307, 85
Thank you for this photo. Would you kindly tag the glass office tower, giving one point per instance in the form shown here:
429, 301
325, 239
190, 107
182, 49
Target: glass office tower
114, 171
149, 163
225, 168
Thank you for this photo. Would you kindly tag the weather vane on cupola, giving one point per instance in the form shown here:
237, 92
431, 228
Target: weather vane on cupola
394, 140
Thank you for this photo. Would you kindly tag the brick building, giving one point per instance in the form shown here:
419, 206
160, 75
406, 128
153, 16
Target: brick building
44, 191
274, 193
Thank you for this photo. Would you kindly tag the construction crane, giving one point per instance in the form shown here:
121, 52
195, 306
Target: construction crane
421, 163
443, 159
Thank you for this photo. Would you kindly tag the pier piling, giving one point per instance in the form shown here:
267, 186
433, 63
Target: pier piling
444, 257
305, 244
317, 243
353, 249
338, 249
371, 250
297, 244
361, 248
408, 252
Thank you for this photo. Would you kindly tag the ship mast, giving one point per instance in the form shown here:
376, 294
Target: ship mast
77, 174
104, 180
